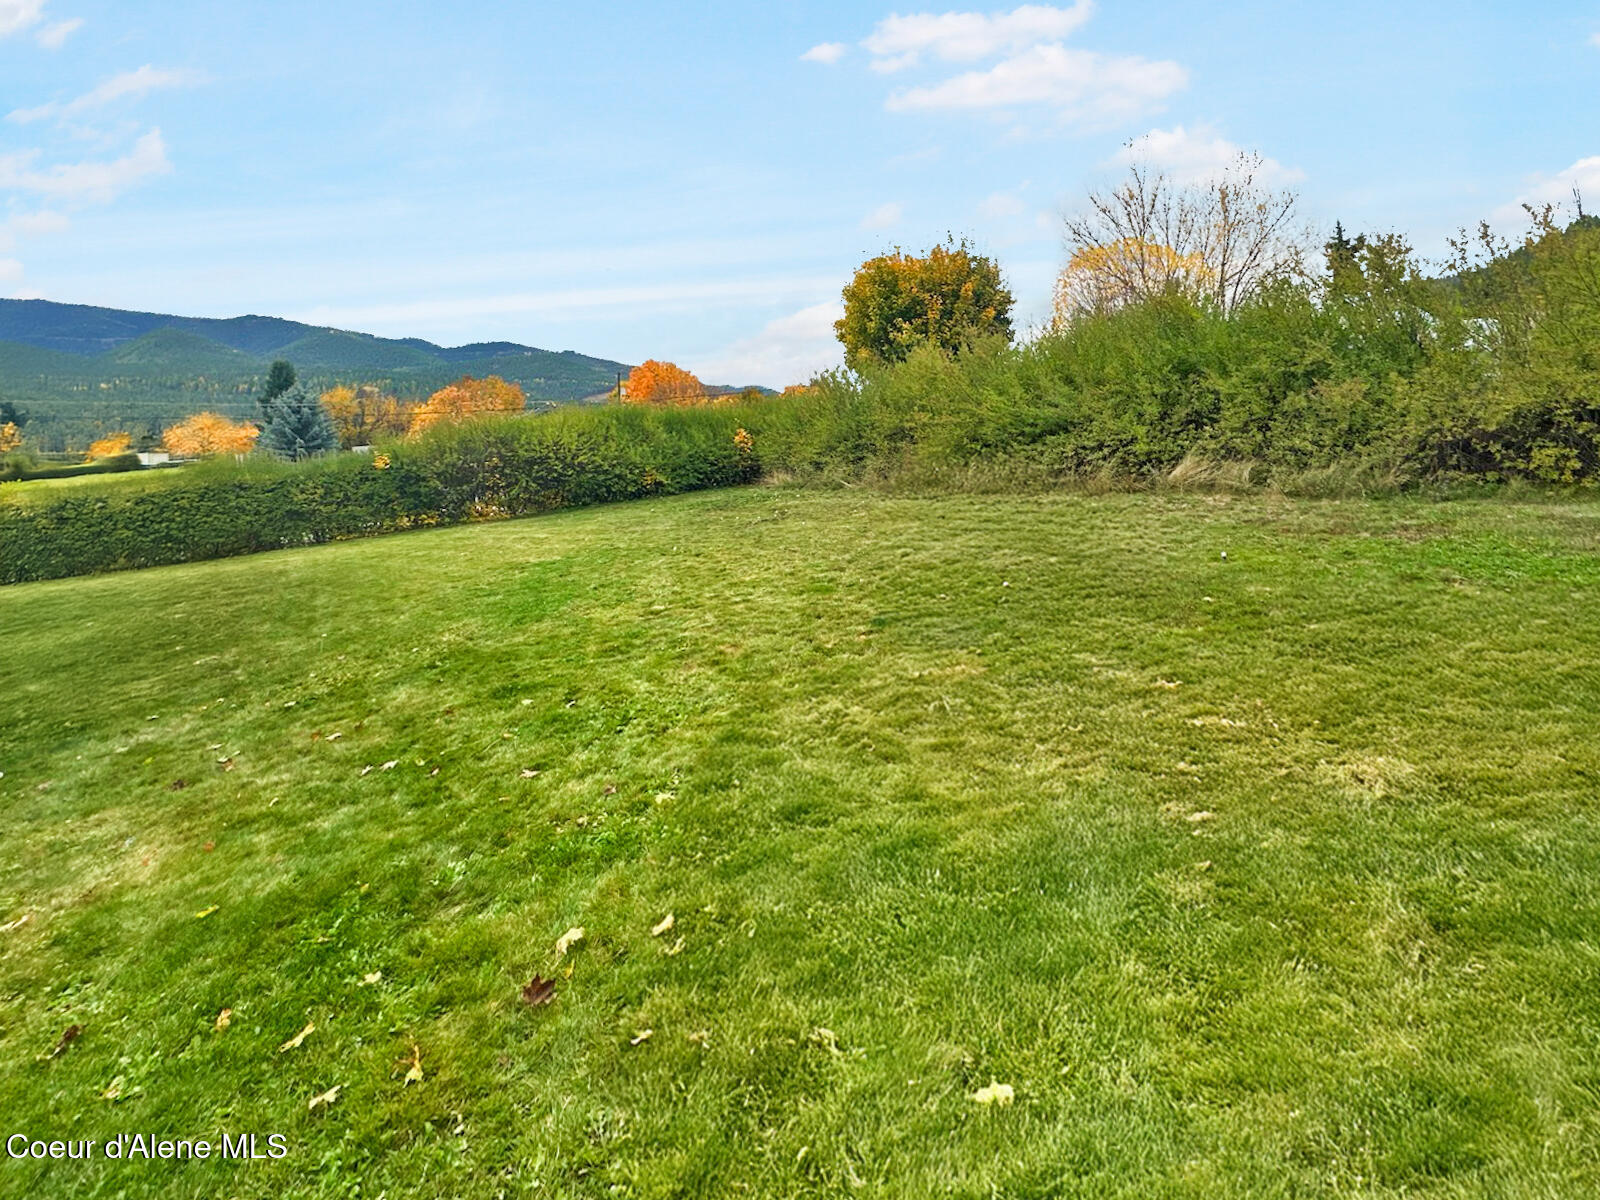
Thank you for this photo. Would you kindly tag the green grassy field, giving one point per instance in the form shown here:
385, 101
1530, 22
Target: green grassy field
1272, 876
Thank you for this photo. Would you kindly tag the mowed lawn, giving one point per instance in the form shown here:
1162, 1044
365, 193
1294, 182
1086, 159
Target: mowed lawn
1277, 875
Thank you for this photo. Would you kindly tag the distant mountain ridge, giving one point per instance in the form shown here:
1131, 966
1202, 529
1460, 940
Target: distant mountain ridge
87, 330
79, 368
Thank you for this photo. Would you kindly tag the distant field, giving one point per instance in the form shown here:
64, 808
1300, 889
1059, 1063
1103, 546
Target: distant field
1277, 875
25, 489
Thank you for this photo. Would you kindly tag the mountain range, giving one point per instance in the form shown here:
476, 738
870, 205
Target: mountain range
77, 369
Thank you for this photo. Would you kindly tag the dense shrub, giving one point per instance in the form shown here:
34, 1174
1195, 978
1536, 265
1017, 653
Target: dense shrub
18, 466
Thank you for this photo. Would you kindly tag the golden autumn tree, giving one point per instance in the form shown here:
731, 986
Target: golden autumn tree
1104, 277
363, 414
109, 446
654, 382
947, 298
468, 397
209, 433
10, 437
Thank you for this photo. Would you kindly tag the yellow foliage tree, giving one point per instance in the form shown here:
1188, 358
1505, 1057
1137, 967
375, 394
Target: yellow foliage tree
10, 437
364, 414
109, 446
1101, 278
209, 433
653, 382
468, 397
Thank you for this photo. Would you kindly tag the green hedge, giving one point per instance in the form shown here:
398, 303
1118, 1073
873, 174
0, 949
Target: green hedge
480, 470
115, 464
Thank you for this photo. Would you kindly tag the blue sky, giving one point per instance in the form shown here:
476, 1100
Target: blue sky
697, 181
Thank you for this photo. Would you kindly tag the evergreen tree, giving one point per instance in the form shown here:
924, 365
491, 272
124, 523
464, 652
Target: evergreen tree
280, 378
297, 426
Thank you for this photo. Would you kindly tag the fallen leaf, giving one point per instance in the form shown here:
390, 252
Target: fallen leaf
433, 772
644, 1035
675, 949
208, 847
666, 923
205, 912
224, 1019
538, 991
118, 1089
1203, 866
996, 1093
414, 1075
177, 785
1197, 817
68, 1036
568, 940
366, 769
225, 763
295, 1041
327, 1097
17, 924
370, 978
334, 737
391, 764
529, 772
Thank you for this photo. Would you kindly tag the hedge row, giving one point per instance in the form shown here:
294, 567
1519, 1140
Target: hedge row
113, 465
482, 470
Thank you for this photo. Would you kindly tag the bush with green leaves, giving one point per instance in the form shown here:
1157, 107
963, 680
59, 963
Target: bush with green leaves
297, 426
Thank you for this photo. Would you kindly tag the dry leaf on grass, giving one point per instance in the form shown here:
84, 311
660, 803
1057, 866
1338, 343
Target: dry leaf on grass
529, 773
644, 1035
569, 939
205, 912
17, 924
538, 991
414, 1074
674, 950
224, 1019
68, 1036
665, 924
294, 1042
996, 1093
324, 1098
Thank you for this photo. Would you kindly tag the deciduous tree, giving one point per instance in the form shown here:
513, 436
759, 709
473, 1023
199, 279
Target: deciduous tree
466, 398
1224, 238
656, 382
109, 446
1100, 279
209, 433
947, 298
10, 437
362, 415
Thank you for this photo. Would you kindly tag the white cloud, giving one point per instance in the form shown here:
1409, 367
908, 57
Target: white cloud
119, 87
1001, 205
788, 350
17, 15
85, 182
1196, 155
1594, 39
885, 216
10, 270
53, 37
1081, 84
900, 41
1584, 175
826, 52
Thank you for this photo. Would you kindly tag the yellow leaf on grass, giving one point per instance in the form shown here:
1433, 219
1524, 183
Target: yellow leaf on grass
996, 1093
644, 1036
224, 1019
295, 1041
205, 912
414, 1075
666, 923
327, 1097
370, 978
569, 939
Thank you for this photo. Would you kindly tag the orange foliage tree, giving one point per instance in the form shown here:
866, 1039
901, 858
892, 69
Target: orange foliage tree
1100, 278
468, 397
10, 437
364, 414
653, 382
109, 446
209, 433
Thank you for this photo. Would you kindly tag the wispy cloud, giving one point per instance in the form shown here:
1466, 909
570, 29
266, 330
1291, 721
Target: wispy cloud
85, 182
900, 41
17, 15
1196, 155
128, 85
885, 216
790, 349
999, 206
1582, 178
826, 52
1035, 68
53, 37
1081, 85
